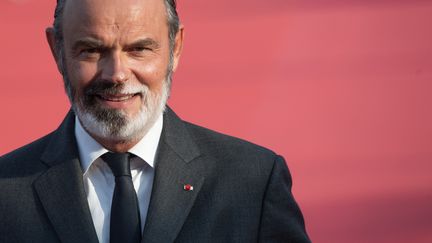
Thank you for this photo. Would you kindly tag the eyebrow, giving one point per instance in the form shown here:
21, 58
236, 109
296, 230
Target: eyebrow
146, 42
88, 42
95, 43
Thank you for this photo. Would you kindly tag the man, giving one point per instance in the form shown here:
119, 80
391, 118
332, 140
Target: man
177, 182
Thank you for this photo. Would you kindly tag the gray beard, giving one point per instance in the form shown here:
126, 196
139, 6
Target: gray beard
116, 125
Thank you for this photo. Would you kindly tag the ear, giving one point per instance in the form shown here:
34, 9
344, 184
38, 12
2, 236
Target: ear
50, 36
178, 47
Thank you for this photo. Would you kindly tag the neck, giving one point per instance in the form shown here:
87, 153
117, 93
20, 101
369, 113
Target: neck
117, 146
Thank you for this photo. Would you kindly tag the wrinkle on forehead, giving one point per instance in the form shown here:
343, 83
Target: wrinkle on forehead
114, 20
115, 13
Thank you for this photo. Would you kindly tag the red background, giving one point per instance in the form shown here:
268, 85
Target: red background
342, 89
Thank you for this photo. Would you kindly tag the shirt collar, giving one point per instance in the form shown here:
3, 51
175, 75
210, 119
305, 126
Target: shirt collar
90, 150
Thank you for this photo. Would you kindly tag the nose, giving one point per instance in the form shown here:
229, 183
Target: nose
114, 68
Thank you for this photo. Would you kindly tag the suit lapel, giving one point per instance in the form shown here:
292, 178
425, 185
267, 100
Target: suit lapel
170, 203
60, 189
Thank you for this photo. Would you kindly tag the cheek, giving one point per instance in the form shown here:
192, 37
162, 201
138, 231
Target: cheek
80, 74
151, 74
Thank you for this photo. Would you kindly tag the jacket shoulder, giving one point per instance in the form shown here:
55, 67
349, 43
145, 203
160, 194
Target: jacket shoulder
227, 147
24, 157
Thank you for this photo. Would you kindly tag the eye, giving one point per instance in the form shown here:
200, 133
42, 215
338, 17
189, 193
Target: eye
90, 53
91, 50
138, 50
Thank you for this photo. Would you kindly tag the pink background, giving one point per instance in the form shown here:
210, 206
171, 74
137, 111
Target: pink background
342, 89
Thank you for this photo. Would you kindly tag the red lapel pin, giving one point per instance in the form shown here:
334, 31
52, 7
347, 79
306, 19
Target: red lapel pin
188, 187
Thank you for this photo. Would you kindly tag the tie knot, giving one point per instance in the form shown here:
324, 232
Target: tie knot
118, 162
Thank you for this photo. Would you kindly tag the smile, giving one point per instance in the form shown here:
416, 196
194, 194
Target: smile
119, 101
117, 98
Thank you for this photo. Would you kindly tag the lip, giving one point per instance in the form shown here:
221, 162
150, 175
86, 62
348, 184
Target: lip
118, 101
116, 98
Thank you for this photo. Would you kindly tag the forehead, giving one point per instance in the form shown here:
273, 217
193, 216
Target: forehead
79, 15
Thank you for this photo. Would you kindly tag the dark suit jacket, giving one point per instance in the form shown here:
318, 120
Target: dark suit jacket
241, 192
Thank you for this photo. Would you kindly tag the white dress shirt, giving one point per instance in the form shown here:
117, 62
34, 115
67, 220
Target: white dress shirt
99, 181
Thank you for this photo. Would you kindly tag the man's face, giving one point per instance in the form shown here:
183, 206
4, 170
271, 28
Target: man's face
116, 58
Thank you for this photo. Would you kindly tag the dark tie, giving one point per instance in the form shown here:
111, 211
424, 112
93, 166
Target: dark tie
125, 218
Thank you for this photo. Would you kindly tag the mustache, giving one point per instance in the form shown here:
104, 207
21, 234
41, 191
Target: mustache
103, 87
